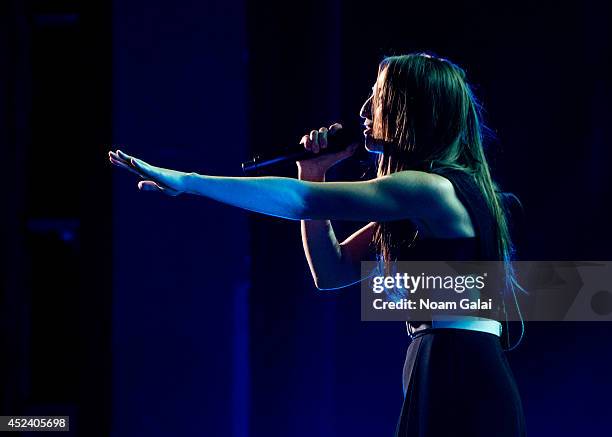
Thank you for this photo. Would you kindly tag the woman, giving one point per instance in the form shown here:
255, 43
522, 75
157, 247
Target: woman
433, 198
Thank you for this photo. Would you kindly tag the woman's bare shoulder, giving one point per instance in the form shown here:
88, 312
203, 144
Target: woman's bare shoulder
447, 216
430, 186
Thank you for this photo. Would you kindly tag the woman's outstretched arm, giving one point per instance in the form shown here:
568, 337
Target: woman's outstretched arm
406, 194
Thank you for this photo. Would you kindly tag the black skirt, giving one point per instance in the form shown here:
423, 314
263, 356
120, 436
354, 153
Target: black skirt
458, 382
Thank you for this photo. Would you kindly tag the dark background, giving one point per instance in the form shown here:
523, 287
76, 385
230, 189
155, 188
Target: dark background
142, 315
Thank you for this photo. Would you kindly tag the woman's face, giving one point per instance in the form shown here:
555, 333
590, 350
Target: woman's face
368, 114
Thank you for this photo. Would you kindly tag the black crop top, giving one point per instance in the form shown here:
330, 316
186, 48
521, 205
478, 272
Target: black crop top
482, 247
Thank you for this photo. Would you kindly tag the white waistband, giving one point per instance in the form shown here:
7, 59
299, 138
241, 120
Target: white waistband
472, 323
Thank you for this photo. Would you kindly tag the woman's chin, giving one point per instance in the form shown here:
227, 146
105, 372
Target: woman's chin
372, 146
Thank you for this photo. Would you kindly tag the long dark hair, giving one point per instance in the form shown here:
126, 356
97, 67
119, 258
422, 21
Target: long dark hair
430, 117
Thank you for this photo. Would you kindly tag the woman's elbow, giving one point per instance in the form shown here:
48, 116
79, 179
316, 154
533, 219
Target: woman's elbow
328, 284
321, 284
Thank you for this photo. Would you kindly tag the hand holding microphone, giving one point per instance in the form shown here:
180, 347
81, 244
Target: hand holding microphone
316, 152
314, 167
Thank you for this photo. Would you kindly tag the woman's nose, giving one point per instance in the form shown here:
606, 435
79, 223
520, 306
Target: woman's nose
366, 109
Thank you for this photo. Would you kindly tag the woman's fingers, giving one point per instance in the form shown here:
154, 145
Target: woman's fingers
125, 157
306, 142
154, 186
132, 164
144, 168
318, 140
314, 137
150, 186
117, 162
122, 157
323, 137
157, 179
335, 127
114, 156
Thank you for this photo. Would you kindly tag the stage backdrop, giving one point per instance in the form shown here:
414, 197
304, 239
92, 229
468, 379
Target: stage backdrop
180, 264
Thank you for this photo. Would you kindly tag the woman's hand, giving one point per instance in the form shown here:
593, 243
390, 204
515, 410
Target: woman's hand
315, 168
164, 180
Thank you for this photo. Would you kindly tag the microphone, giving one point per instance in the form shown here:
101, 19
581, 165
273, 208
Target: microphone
336, 142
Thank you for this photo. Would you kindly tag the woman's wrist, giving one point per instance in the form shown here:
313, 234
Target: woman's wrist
310, 174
